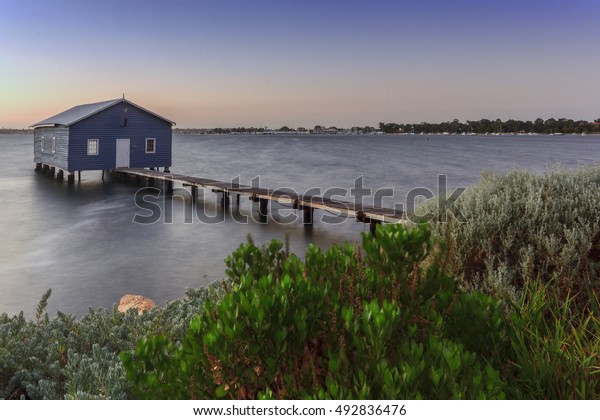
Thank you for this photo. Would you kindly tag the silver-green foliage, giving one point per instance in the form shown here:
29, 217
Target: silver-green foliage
521, 226
66, 357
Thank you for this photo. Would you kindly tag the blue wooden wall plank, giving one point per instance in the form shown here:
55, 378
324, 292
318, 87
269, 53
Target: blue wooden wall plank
107, 126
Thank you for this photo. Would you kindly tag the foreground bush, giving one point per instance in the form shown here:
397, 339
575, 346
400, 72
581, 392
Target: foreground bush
339, 325
385, 323
522, 226
66, 357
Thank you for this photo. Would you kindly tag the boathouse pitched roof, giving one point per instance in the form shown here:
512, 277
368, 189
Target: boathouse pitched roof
81, 112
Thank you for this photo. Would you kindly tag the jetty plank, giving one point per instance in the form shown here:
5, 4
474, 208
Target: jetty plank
362, 213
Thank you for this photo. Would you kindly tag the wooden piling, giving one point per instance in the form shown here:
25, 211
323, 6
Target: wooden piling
308, 213
79, 176
38, 167
263, 206
71, 178
373, 226
225, 199
168, 187
60, 175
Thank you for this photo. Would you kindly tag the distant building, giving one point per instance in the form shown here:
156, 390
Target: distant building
102, 136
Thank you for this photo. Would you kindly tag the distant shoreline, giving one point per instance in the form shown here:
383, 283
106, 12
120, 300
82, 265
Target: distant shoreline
378, 133
15, 131
194, 132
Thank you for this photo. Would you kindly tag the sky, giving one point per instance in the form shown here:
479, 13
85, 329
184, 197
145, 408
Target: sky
302, 62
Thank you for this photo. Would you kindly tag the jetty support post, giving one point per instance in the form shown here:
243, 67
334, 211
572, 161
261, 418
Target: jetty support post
78, 176
194, 193
225, 199
362, 217
169, 186
52, 171
71, 178
38, 167
373, 226
263, 207
60, 175
307, 215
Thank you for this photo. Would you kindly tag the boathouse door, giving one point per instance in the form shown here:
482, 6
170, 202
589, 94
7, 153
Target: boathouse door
123, 152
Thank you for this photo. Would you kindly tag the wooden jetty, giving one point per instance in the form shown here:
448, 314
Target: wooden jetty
307, 203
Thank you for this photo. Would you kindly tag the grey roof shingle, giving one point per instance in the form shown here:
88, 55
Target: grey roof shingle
81, 112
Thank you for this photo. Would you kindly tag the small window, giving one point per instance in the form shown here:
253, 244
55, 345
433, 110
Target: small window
92, 147
42, 143
150, 145
53, 145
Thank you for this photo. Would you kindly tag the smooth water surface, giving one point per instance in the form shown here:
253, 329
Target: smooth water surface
81, 240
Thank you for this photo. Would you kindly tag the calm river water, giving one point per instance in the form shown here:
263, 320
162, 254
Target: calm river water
81, 240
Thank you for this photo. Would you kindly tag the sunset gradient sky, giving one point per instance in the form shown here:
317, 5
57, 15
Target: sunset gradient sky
300, 63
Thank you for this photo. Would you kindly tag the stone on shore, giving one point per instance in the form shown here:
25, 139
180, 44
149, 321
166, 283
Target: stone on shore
139, 302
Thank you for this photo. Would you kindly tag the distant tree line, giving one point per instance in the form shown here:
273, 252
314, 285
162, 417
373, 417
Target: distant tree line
15, 131
540, 126
317, 129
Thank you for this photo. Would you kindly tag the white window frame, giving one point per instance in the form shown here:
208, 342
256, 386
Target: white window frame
153, 144
53, 145
97, 147
42, 143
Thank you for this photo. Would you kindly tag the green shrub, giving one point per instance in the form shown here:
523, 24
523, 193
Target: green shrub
522, 226
386, 322
65, 357
389, 325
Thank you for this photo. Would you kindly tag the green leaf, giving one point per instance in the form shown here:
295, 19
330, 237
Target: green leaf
220, 391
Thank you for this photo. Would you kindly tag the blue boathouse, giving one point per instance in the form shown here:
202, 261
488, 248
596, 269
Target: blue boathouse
102, 136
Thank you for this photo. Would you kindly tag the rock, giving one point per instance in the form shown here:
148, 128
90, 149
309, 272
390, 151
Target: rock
139, 302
